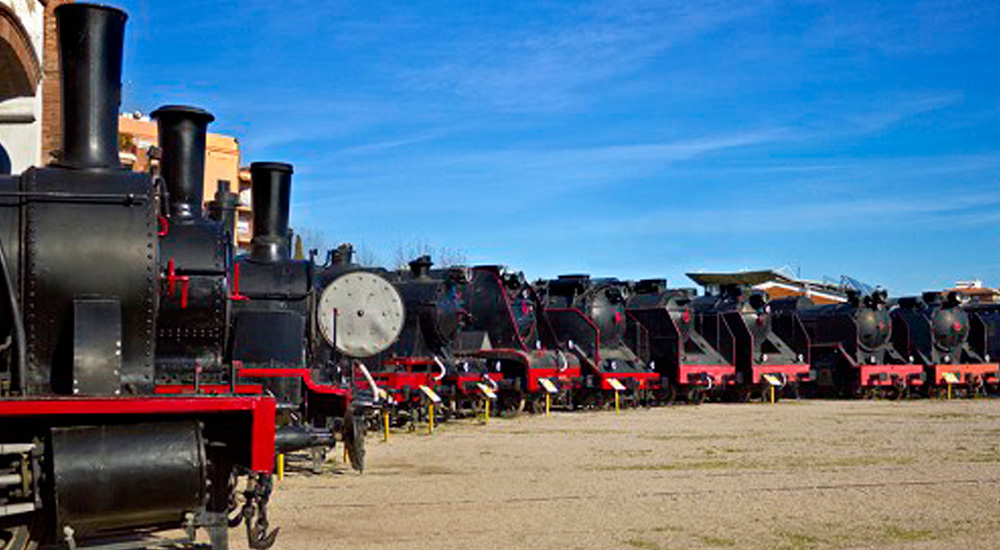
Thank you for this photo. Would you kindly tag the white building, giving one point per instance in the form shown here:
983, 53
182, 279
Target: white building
22, 43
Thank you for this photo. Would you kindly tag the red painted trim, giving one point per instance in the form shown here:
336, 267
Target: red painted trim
261, 408
304, 374
909, 373
645, 379
788, 370
721, 375
208, 389
964, 371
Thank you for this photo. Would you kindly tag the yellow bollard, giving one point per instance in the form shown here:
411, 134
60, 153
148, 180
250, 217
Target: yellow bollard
486, 409
772, 394
385, 425
548, 403
430, 418
618, 404
346, 457
281, 466
949, 391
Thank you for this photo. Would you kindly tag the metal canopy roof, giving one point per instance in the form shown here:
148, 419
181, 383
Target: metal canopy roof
747, 278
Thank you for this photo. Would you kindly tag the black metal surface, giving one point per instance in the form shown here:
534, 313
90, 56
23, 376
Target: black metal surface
97, 333
182, 133
272, 191
934, 329
668, 323
90, 57
112, 256
295, 438
435, 310
115, 477
591, 314
195, 256
222, 208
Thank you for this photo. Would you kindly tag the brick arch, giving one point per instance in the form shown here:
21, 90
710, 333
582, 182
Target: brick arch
18, 59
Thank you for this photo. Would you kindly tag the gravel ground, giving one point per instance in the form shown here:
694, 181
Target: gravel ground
797, 475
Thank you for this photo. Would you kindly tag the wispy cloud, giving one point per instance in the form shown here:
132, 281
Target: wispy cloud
555, 69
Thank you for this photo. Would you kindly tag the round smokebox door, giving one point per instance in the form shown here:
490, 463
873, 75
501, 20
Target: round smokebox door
360, 314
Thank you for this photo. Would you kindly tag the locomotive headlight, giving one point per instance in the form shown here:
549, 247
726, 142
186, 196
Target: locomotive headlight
801, 358
763, 358
652, 365
614, 365
947, 359
987, 358
911, 358
538, 344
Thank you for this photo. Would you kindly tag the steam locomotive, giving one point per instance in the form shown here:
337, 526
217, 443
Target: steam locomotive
588, 317
522, 345
849, 345
423, 365
662, 331
934, 330
737, 321
86, 436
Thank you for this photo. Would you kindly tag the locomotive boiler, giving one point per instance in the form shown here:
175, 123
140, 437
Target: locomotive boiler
588, 316
503, 306
85, 436
739, 319
935, 331
849, 345
662, 332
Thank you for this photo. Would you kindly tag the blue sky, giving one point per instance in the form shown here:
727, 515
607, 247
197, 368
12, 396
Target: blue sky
620, 138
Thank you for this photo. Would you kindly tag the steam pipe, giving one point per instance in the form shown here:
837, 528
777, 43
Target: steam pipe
182, 134
91, 39
272, 189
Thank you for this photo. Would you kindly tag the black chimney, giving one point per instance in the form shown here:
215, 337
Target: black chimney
90, 57
421, 267
182, 134
271, 188
223, 207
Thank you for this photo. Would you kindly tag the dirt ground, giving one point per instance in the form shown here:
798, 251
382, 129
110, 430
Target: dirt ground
796, 475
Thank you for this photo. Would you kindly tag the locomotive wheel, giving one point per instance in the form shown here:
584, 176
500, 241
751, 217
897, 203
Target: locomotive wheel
510, 403
354, 440
695, 395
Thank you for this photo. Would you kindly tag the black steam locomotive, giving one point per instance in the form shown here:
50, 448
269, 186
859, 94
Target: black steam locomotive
849, 345
85, 435
934, 331
522, 346
588, 317
662, 331
424, 357
737, 320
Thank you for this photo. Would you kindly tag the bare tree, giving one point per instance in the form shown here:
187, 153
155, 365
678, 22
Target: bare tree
366, 256
441, 256
313, 239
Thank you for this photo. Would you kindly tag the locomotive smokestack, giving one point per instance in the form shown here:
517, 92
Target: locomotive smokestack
421, 267
271, 190
182, 134
223, 207
90, 57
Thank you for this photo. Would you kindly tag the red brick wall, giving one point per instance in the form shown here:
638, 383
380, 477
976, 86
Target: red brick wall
51, 105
